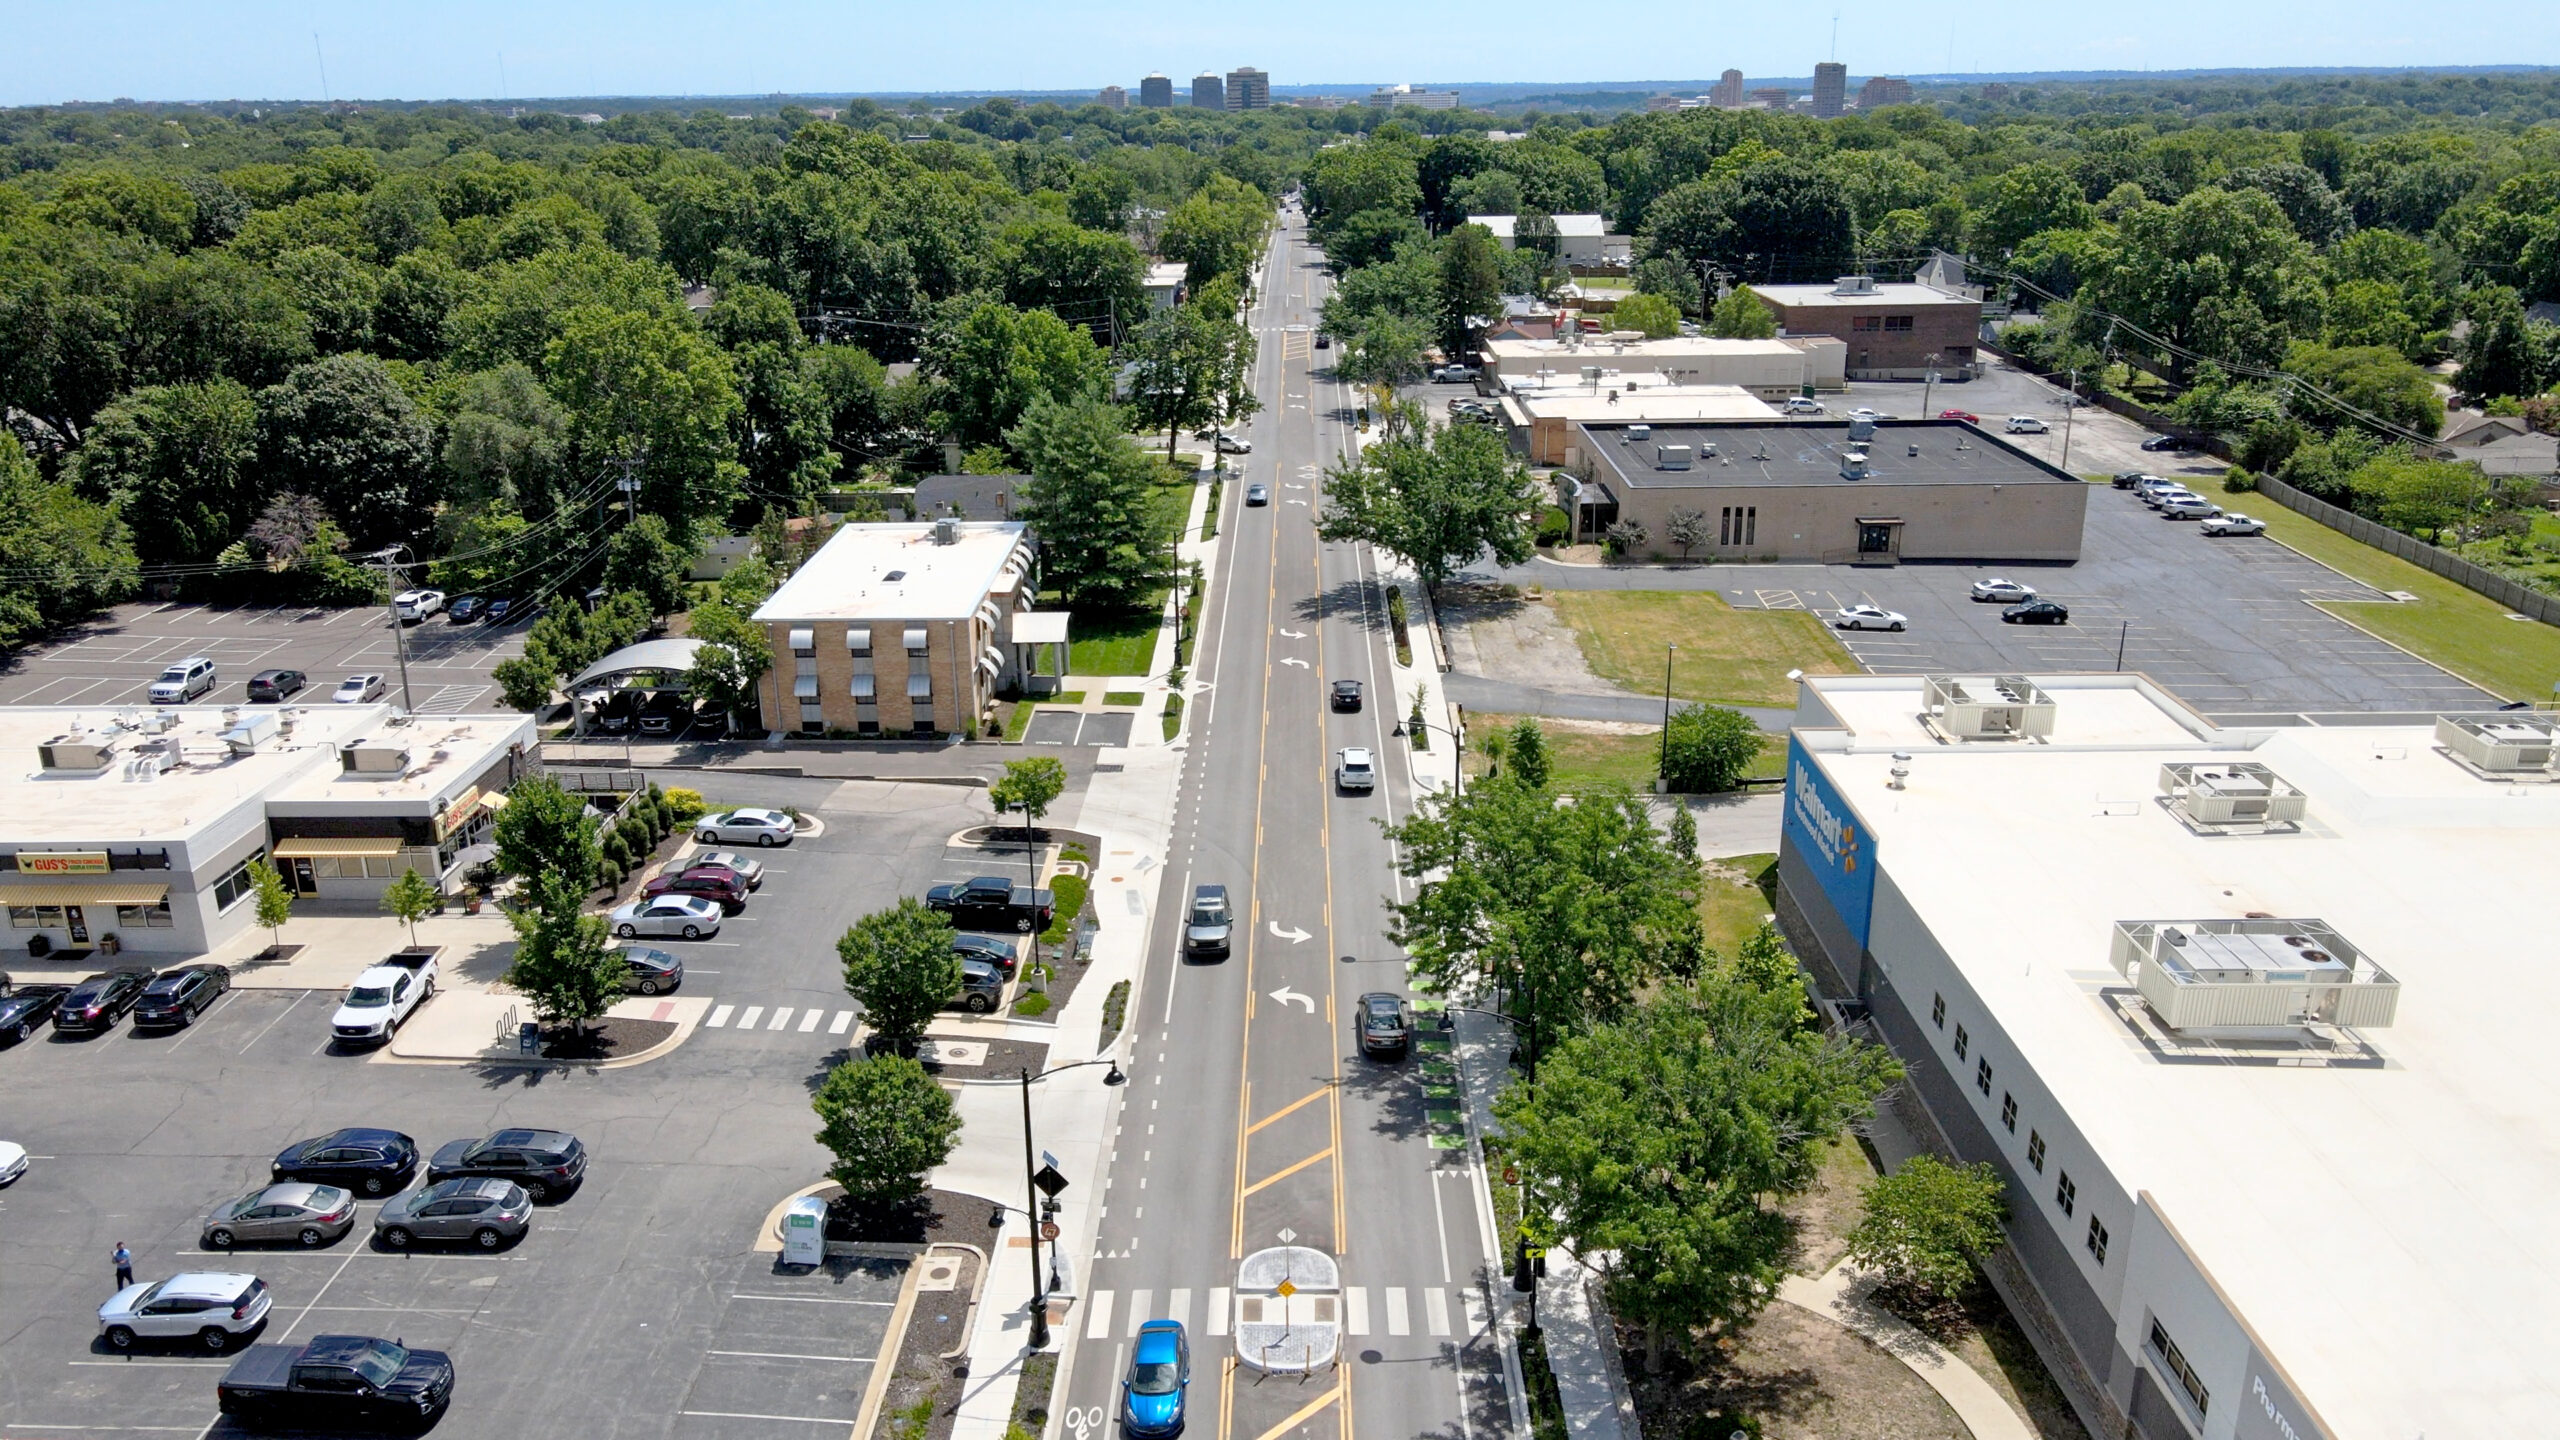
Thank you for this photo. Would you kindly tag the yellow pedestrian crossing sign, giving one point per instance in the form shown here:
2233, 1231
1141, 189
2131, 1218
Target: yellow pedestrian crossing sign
1284, 1289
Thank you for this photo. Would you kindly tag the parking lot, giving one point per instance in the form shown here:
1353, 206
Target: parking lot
2100, 442
112, 660
2229, 624
637, 1305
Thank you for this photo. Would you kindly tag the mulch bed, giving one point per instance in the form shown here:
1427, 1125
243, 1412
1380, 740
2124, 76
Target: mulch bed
1066, 971
610, 1038
1005, 1058
934, 1215
923, 1398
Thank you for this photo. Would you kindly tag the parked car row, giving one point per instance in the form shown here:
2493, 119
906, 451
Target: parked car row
649, 712
161, 1000
2175, 501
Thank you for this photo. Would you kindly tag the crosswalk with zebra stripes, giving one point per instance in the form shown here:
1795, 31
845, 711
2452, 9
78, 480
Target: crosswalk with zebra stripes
1105, 1315
778, 1017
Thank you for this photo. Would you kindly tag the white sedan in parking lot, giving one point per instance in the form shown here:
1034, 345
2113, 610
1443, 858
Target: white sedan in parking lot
1868, 617
744, 827
2232, 525
689, 916
357, 689
2007, 592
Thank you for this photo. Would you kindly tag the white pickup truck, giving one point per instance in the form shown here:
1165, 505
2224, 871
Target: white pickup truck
385, 995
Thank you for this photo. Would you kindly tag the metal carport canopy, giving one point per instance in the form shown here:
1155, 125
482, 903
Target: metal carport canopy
670, 657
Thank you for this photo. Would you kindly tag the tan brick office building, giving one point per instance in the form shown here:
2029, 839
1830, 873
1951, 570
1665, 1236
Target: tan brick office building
1891, 330
898, 629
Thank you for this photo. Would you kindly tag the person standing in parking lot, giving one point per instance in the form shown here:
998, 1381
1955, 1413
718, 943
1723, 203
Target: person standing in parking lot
124, 1266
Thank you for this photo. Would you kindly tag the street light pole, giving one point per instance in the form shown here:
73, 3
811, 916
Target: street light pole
1031, 1190
1662, 770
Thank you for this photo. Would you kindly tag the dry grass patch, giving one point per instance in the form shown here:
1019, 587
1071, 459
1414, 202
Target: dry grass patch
1727, 656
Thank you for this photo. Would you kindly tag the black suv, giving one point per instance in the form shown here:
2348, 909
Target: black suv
544, 1162
277, 684
986, 950
377, 1162
1346, 694
665, 712
1209, 929
1386, 1024
180, 995
97, 1003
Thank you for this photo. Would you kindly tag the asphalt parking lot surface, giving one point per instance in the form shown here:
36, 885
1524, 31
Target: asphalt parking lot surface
636, 1306
2100, 442
2227, 624
113, 659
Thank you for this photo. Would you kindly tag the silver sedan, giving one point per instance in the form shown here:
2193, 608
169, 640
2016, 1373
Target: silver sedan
487, 1212
744, 827
688, 916
748, 867
307, 1214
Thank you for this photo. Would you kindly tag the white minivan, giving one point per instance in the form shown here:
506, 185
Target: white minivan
2026, 425
184, 681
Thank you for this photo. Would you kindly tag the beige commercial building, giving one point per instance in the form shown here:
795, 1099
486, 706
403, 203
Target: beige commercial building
899, 629
1546, 423
1580, 239
1826, 493
1892, 331
1770, 369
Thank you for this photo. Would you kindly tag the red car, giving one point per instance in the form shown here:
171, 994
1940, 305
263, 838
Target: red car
715, 883
1966, 416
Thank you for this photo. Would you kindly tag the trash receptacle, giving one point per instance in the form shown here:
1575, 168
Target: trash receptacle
804, 1232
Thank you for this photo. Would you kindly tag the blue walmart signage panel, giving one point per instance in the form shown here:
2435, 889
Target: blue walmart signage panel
1831, 839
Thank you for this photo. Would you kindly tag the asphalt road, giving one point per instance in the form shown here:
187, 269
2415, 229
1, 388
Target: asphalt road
1253, 1119
637, 1307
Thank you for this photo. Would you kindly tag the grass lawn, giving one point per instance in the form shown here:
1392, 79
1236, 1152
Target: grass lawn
1592, 758
1731, 908
1115, 644
2464, 632
1124, 697
1733, 657
1019, 721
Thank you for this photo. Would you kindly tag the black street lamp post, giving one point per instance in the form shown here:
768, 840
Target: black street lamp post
1038, 1183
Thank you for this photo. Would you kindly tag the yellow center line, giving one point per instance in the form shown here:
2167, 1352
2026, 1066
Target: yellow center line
1261, 782
1292, 1108
1332, 972
1270, 1180
1310, 1408
1226, 1396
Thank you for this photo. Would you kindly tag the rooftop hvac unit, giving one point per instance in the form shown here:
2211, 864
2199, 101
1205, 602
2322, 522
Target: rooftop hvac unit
1854, 285
248, 731
946, 532
79, 751
1861, 430
1635, 435
1672, 457
1998, 707
2234, 795
372, 757
2509, 743
2252, 974
1853, 465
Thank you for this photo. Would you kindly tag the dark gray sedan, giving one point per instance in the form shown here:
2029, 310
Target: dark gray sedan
488, 1213
296, 1210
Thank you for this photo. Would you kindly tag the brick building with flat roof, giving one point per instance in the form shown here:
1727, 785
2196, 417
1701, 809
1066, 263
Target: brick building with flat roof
1892, 330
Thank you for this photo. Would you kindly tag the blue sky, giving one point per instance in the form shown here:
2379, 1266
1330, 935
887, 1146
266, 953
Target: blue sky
263, 49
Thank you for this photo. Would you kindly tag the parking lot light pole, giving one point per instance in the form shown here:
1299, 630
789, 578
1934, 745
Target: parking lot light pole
1031, 1190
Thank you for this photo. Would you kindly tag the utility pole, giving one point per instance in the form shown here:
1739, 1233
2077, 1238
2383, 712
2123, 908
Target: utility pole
1930, 389
1662, 771
629, 484
2070, 407
399, 633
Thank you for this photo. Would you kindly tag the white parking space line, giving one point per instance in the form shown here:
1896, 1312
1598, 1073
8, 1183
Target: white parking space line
289, 1009
816, 1300
719, 1016
775, 1355
744, 1415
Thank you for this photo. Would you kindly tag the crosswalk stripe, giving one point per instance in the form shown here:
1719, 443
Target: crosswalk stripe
1355, 1308
748, 1020
1177, 1308
809, 1019
719, 1017
1138, 1315
1221, 1309
1098, 1323
844, 1022
1399, 1320
1435, 1308
781, 1017
1473, 1305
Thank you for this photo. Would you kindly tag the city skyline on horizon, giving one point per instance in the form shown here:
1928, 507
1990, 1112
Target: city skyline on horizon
160, 50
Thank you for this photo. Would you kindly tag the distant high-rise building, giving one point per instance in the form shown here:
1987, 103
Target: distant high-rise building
1662, 102
1830, 88
1773, 97
1155, 92
1728, 92
1112, 98
1883, 90
1248, 89
1208, 91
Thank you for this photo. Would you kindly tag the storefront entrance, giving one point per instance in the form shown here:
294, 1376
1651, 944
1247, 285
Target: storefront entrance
1879, 541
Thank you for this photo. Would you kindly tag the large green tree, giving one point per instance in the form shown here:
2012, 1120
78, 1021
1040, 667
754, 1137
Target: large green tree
1470, 286
2220, 273
545, 832
1190, 368
1090, 501
179, 463
561, 962
343, 431
61, 557
1436, 496
997, 362
1088, 278
650, 389
898, 962
887, 1122
1928, 1224
1780, 220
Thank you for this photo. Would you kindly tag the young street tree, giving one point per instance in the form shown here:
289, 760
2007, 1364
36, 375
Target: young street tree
887, 1123
545, 832
561, 962
275, 902
1531, 764
1663, 1140
1741, 316
1687, 529
1655, 316
412, 898
1029, 787
1100, 538
898, 963
1437, 499
1928, 1223
1708, 749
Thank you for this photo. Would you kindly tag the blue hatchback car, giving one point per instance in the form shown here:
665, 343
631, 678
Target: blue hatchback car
1151, 1396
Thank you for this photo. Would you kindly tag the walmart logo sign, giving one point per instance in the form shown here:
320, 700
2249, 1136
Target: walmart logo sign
1826, 834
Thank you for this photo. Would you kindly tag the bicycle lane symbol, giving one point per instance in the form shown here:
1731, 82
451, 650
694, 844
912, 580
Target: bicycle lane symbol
1083, 1421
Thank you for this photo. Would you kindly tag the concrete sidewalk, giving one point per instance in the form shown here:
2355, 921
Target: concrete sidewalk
465, 1023
1839, 1295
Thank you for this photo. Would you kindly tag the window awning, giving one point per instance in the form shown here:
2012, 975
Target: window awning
991, 660
804, 638
312, 847
917, 638
804, 687
55, 892
865, 686
919, 687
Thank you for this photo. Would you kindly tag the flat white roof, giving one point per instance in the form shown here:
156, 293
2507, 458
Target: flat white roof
1884, 293
1166, 275
1578, 227
898, 572
1645, 404
2387, 1232
1568, 354
445, 752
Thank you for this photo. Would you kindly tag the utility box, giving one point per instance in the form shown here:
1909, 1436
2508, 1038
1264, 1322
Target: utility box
804, 1232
